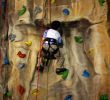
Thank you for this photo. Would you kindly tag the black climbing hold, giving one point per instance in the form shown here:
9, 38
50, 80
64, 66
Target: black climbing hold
68, 97
12, 37
66, 12
21, 65
60, 70
55, 25
37, 10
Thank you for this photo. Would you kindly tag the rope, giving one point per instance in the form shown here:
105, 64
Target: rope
50, 11
39, 61
47, 81
41, 44
49, 4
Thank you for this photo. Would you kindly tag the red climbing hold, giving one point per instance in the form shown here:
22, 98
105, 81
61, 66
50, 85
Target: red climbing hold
21, 55
21, 90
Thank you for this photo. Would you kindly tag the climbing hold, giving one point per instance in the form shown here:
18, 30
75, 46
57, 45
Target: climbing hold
53, 1
91, 51
63, 72
68, 97
60, 70
12, 37
21, 55
78, 39
86, 74
7, 93
37, 10
21, 90
104, 97
35, 92
101, 2
6, 61
22, 11
21, 65
29, 43
66, 12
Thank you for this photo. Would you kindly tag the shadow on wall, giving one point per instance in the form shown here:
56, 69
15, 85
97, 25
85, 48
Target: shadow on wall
108, 17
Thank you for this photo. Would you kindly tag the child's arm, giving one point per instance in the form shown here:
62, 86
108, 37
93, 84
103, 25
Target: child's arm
44, 35
60, 42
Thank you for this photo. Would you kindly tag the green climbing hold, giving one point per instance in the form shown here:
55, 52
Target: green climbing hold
101, 2
65, 74
104, 97
9, 94
78, 39
22, 11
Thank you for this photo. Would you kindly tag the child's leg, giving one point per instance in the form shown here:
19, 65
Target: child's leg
60, 62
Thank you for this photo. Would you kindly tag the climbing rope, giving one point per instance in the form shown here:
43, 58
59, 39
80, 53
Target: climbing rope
49, 7
41, 42
41, 45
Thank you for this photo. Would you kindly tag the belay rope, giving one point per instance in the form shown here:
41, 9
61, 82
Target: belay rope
41, 45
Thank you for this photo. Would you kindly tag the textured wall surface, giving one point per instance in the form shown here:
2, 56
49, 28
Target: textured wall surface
88, 61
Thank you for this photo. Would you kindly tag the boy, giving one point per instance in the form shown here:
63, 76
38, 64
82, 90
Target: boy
52, 40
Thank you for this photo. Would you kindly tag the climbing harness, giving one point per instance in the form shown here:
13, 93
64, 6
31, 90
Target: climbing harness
50, 51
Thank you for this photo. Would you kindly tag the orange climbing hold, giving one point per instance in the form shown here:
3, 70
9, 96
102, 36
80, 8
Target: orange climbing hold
21, 90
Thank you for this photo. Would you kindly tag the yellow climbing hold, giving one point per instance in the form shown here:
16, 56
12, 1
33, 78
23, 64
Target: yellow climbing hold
29, 43
91, 51
35, 92
53, 1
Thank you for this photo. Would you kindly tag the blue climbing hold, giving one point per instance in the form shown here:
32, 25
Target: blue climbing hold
6, 61
66, 12
12, 37
86, 74
68, 97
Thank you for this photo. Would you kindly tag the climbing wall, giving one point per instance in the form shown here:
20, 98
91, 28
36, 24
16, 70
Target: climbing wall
85, 74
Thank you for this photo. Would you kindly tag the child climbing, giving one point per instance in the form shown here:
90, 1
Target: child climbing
52, 40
